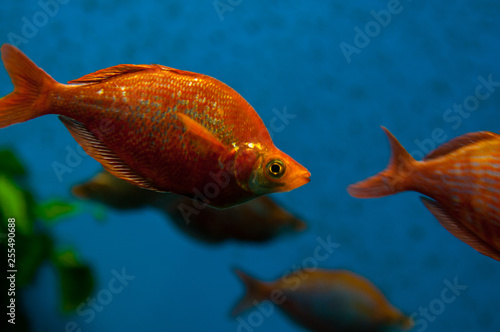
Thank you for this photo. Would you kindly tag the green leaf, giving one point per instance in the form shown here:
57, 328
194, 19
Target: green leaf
31, 252
76, 280
55, 209
14, 204
30, 206
10, 165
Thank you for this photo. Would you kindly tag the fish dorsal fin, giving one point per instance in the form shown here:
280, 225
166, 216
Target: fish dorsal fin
460, 142
458, 230
100, 152
110, 72
200, 135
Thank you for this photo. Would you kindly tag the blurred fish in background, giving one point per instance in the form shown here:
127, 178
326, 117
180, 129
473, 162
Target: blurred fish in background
461, 176
258, 220
325, 300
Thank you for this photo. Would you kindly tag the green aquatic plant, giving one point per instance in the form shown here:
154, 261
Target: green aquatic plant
33, 244
77, 281
54, 210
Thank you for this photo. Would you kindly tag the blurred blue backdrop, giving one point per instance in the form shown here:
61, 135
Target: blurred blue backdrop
404, 72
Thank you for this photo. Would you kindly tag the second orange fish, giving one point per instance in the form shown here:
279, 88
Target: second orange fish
159, 128
463, 179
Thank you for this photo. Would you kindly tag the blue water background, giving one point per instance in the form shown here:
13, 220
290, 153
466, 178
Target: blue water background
278, 55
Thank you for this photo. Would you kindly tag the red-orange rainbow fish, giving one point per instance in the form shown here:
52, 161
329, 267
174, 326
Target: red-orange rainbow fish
159, 128
462, 178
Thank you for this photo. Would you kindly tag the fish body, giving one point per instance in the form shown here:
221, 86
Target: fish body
259, 220
326, 300
461, 180
159, 128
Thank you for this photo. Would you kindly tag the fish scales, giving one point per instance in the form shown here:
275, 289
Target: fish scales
462, 178
471, 175
159, 128
124, 99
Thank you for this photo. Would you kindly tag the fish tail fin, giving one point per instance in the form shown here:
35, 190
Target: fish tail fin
29, 81
395, 178
256, 291
298, 225
400, 320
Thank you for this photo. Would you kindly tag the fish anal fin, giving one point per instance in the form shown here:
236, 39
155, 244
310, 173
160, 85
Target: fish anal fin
200, 135
107, 73
100, 152
458, 230
459, 142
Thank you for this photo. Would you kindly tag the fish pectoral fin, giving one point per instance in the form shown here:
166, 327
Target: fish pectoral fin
460, 142
100, 152
459, 230
110, 72
200, 135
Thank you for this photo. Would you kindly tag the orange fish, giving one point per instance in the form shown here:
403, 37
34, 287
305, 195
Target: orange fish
325, 300
159, 128
463, 179
259, 220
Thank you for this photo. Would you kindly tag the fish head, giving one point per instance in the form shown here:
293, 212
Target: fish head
269, 171
94, 189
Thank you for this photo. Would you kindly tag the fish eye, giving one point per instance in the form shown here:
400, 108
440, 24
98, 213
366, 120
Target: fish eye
276, 168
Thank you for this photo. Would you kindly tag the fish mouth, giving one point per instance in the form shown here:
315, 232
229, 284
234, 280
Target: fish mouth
301, 179
79, 192
305, 176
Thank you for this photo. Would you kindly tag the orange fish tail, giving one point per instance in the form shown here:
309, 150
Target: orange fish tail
29, 81
401, 321
256, 291
395, 178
